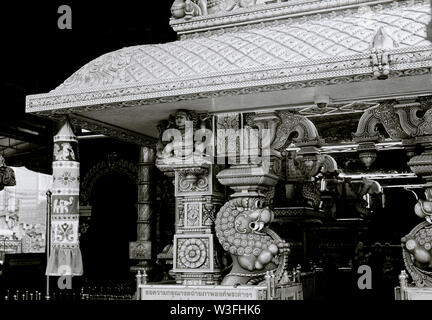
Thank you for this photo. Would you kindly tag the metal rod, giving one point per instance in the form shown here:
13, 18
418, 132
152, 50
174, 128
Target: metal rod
48, 240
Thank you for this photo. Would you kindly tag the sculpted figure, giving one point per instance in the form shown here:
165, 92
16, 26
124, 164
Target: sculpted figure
176, 135
189, 8
241, 228
192, 8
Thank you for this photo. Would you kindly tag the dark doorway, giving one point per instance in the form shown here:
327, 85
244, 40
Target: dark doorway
105, 249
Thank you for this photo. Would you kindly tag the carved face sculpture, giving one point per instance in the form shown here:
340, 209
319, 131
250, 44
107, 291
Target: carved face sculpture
180, 119
253, 221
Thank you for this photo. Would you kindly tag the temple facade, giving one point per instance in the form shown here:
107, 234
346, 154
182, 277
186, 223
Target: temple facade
274, 142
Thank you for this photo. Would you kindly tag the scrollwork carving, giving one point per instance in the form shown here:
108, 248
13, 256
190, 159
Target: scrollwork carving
192, 253
294, 128
384, 114
193, 179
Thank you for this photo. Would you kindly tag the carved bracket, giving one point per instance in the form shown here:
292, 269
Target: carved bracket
408, 122
286, 128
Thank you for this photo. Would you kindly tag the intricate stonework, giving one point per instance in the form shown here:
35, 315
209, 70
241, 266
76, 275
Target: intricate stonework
108, 130
384, 114
417, 254
194, 259
193, 253
295, 128
307, 170
276, 13
180, 138
197, 198
230, 124
400, 120
193, 181
340, 70
381, 43
142, 249
240, 228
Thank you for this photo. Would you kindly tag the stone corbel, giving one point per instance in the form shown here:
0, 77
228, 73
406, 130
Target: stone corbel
312, 173
295, 129
367, 134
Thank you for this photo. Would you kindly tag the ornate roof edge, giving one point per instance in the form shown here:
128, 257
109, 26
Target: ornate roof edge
404, 62
271, 13
106, 129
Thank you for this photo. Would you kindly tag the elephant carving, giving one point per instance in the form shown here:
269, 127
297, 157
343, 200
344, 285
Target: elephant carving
62, 206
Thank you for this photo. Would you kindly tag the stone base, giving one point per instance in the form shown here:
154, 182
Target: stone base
179, 292
413, 293
197, 279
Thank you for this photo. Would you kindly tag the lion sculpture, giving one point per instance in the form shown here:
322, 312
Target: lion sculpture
241, 228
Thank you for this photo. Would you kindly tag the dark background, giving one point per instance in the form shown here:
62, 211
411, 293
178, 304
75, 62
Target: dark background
37, 57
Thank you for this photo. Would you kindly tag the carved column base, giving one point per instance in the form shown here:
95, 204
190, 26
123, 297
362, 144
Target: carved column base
195, 262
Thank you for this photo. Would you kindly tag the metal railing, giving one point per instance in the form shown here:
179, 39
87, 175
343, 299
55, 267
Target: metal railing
83, 293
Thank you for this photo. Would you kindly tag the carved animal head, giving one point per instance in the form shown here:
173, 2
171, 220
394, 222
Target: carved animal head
239, 227
253, 221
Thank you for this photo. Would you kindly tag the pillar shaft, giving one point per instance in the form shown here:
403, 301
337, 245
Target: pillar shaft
142, 248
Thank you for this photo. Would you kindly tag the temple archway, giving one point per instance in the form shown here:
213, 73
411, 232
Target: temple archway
102, 168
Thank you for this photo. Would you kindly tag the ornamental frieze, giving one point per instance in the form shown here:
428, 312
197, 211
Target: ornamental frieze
406, 62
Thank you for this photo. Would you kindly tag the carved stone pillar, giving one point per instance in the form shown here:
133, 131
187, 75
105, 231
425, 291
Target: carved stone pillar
189, 160
198, 198
242, 223
142, 248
